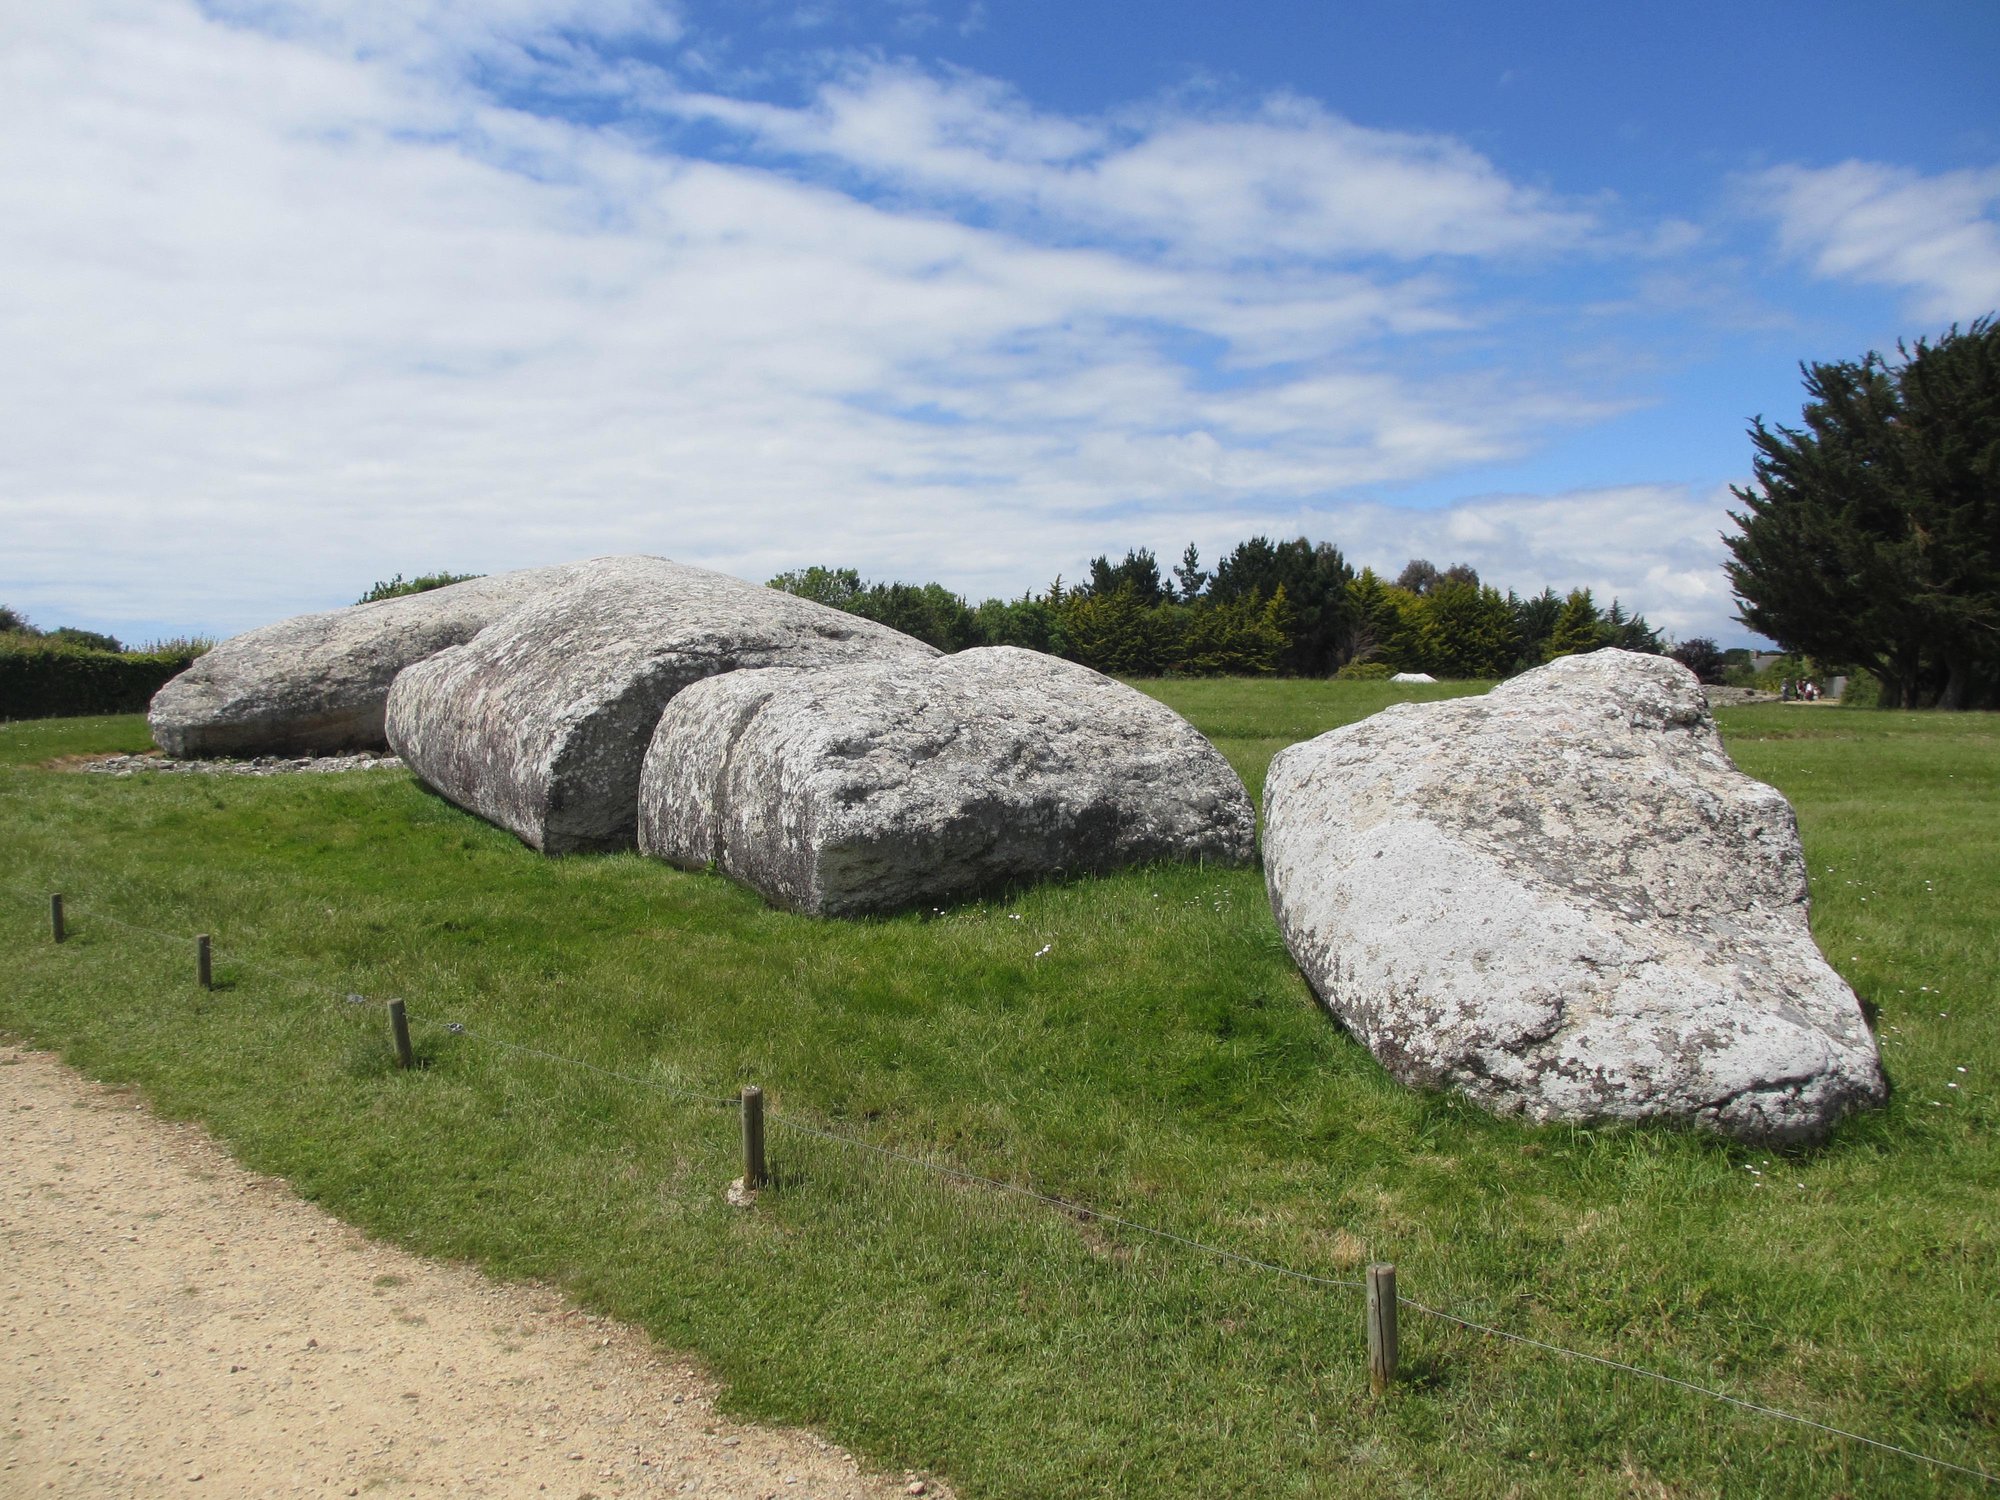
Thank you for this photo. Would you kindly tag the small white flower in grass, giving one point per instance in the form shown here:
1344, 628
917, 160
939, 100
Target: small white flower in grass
1962, 1070
1013, 916
1039, 952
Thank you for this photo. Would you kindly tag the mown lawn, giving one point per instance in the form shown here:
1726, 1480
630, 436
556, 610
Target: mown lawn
1160, 1059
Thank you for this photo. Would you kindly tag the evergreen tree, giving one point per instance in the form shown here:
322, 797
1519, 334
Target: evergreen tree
1139, 572
1630, 632
1108, 632
1190, 575
1315, 578
1465, 630
1534, 623
1387, 624
1871, 534
1578, 627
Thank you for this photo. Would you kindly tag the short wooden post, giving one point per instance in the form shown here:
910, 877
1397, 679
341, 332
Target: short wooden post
56, 918
753, 1136
204, 967
399, 1028
1381, 1328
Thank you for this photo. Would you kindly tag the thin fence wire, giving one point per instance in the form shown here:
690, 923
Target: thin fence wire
1079, 1210
686, 1096
1699, 1390
262, 966
1070, 1207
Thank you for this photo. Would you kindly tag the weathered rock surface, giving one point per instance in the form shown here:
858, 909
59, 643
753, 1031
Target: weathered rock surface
317, 684
877, 786
1563, 900
540, 724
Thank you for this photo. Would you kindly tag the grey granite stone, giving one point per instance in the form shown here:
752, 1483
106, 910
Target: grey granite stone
1564, 900
874, 786
541, 722
318, 684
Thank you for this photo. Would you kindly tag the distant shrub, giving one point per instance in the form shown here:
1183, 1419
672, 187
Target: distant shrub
1365, 671
423, 583
189, 646
43, 678
1862, 691
84, 640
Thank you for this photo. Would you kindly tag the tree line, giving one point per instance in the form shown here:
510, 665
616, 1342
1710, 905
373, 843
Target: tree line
1294, 608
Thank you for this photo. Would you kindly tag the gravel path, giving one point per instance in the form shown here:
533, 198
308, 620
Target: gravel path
175, 1325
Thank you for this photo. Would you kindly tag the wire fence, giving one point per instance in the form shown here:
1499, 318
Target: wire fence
60, 911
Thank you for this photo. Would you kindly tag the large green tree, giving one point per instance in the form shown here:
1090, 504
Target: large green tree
1871, 535
1315, 579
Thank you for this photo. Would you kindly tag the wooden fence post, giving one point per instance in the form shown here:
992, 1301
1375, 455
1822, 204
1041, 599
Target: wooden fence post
399, 1028
753, 1137
203, 962
56, 918
1381, 1328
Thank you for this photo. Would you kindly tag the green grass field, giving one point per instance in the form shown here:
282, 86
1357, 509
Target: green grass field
1161, 1060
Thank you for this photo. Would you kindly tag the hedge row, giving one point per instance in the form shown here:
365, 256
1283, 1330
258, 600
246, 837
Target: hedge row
52, 682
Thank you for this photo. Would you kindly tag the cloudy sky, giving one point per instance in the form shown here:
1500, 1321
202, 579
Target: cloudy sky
298, 294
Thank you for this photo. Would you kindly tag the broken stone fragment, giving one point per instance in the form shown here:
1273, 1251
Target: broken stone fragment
875, 786
318, 684
539, 723
1564, 901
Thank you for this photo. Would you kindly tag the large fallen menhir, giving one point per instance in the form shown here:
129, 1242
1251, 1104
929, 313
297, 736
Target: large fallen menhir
875, 786
1564, 901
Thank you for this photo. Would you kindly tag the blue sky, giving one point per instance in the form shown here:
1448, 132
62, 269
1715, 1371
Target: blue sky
305, 294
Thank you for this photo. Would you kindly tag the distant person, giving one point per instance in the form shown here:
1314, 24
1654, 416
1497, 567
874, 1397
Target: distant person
1785, 690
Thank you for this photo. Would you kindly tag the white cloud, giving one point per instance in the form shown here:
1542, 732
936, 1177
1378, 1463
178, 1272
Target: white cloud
1936, 237
307, 307
1286, 180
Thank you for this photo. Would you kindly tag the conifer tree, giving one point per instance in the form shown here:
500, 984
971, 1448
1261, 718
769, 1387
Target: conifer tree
1871, 534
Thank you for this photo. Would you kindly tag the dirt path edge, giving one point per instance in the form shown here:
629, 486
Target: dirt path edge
178, 1325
